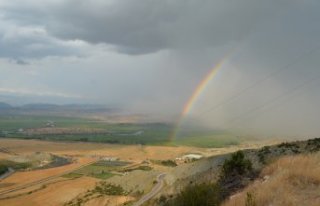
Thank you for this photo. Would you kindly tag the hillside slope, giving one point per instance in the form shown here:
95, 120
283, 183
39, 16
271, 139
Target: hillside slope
291, 180
283, 174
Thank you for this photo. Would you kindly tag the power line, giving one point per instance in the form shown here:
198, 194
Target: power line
270, 105
288, 92
256, 83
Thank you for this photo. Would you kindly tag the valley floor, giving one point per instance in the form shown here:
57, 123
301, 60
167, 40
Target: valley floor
60, 185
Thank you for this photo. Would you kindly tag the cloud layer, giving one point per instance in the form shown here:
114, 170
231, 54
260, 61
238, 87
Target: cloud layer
133, 27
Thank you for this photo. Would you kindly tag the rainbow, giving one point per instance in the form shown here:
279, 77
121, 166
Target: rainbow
201, 87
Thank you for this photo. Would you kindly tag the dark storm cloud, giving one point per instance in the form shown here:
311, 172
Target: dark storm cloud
147, 26
144, 26
23, 34
32, 45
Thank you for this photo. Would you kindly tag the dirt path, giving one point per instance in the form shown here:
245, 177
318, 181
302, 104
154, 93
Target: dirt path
31, 184
153, 192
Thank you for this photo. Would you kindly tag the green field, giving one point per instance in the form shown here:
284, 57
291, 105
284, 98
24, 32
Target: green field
101, 170
103, 175
14, 165
213, 140
120, 133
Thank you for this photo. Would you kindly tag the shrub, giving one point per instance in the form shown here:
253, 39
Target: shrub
197, 195
169, 163
262, 153
3, 169
237, 164
288, 145
313, 145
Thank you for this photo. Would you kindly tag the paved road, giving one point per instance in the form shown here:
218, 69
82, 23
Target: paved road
153, 192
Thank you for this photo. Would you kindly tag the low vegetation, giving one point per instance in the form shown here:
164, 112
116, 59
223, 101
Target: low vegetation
101, 189
167, 163
15, 165
96, 170
289, 169
236, 165
91, 130
141, 167
268, 154
196, 195
72, 175
233, 171
102, 175
69, 129
291, 180
210, 139
262, 154
313, 145
3, 169
104, 188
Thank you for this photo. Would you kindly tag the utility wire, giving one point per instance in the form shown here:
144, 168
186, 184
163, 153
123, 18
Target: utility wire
256, 83
288, 92
281, 101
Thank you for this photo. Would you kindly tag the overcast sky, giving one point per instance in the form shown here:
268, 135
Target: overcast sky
147, 56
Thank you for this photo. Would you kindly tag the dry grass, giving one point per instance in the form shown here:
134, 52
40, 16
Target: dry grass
19, 179
55, 194
292, 180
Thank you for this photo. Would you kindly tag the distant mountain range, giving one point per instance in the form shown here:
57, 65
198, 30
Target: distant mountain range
66, 109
